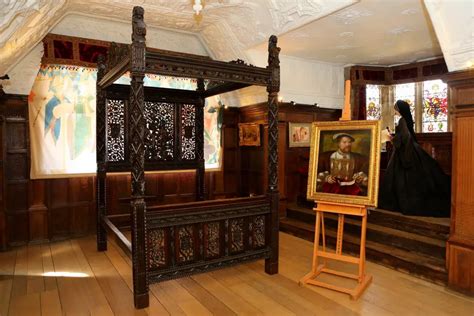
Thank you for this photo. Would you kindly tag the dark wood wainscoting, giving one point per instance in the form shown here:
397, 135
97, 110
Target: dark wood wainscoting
34, 211
292, 161
15, 170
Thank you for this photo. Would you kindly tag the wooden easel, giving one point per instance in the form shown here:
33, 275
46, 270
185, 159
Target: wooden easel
342, 210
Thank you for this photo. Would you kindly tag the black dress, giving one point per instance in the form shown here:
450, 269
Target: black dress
414, 183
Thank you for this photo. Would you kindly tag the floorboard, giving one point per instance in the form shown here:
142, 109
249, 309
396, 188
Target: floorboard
72, 278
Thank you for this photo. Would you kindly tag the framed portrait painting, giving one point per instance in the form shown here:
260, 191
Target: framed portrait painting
249, 134
344, 162
299, 134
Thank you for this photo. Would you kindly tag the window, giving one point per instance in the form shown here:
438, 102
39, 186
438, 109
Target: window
405, 92
435, 106
428, 104
374, 108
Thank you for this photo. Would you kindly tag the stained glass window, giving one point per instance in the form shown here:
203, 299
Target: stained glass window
405, 92
435, 106
374, 109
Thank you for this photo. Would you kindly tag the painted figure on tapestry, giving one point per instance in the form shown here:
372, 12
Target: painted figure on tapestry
343, 171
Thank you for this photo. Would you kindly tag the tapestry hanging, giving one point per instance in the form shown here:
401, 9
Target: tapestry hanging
62, 120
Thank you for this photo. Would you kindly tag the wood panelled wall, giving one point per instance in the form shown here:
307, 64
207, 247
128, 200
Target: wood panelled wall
460, 247
36, 210
50, 209
292, 162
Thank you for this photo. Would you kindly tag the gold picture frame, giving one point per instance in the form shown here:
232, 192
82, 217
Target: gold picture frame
344, 162
249, 134
299, 134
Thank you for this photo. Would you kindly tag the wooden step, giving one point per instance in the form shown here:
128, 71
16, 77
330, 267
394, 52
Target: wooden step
417, 264
425, 226
384, 235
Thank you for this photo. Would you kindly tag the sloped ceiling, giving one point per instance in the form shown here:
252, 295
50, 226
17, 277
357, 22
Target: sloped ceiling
379, 32
454, 25
370, 32
228, 27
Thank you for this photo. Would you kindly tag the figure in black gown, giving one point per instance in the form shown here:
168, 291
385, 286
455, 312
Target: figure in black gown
414, 183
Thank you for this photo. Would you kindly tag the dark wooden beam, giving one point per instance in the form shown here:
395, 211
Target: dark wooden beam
125, 243
193, 67
113, 74
152, 94
223, 88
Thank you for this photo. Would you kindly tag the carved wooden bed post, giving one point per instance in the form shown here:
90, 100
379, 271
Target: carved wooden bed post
273, 87
137, 160
200, 180
100, 157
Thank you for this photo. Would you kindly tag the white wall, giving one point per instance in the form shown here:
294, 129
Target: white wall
24, 73
303, 81
309, 82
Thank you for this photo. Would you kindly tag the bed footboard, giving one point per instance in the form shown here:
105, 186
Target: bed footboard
199, 237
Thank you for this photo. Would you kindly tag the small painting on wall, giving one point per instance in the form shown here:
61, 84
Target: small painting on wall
299, 134
249, 134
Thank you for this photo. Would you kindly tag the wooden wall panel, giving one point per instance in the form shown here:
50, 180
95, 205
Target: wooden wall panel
53, 209
464, 200
461, 260
16, 168
231, 168
292, 162
460, 246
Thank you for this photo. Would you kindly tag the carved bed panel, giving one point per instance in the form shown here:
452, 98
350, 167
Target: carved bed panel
205, 235
170, 135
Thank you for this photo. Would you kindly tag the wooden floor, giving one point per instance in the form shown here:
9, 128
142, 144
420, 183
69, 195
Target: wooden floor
72, 278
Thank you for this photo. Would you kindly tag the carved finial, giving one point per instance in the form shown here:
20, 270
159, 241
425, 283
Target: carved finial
138, 25
138, 12
273, 65
273, 52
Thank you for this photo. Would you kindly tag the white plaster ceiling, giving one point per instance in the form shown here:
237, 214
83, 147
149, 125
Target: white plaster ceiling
228, 27
377, 32
454, 25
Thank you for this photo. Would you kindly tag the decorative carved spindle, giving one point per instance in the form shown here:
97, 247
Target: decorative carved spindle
273, 87
200, 142
137, 160
100, 156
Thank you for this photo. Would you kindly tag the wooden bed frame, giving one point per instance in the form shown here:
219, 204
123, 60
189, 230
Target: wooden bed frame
143, 129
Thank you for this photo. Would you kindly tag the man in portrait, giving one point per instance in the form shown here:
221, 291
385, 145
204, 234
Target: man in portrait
343, 171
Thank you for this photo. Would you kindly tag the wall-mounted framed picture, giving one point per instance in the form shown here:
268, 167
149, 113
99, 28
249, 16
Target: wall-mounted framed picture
344, 162
299, 134
249, 134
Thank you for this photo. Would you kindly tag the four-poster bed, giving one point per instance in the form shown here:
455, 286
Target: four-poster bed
144, 129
